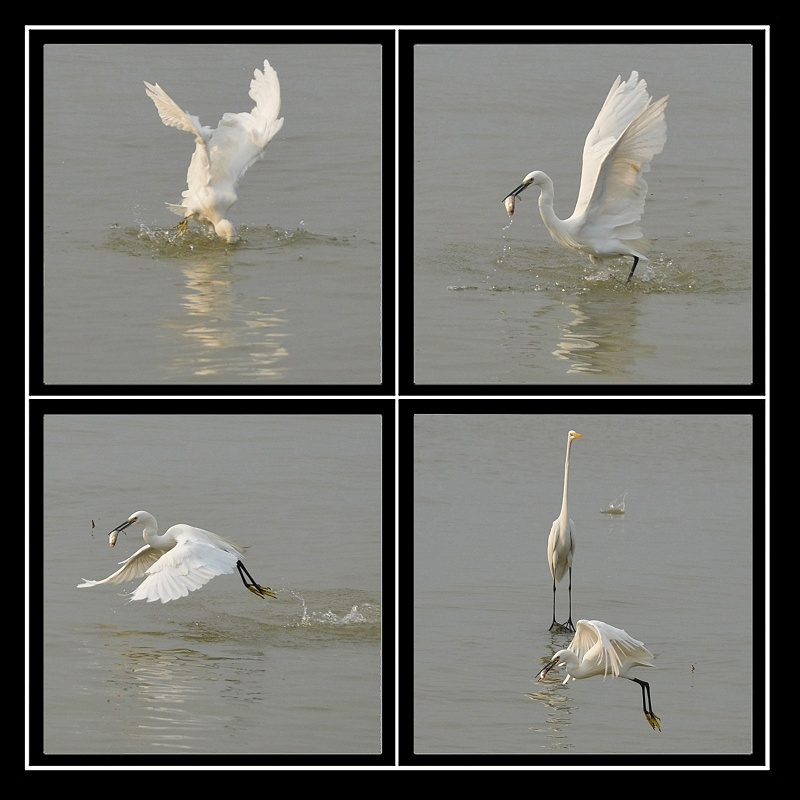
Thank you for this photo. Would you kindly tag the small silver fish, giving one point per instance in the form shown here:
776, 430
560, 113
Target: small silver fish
112, 538
509, 204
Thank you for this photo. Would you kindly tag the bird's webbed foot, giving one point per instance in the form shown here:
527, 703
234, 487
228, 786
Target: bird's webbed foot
653, 720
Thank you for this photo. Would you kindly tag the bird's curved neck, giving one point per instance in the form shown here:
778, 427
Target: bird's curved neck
153, 538
555, 225
546, 196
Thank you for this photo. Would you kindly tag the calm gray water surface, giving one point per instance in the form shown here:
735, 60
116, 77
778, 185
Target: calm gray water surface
297, 301
218, 671
499, 302
674, 571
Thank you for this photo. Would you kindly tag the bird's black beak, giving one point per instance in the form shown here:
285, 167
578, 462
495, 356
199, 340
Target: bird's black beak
122, 527
516, 191
546, 668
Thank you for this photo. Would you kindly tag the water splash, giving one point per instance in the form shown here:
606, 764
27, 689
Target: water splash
367, 614
617, 507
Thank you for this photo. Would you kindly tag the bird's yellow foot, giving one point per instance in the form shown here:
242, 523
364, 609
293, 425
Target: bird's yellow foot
182, 226
261, 591
653, 720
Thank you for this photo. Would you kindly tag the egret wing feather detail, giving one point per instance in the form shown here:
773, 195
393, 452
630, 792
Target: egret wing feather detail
173, 115
134, 567
607, 647
185, 568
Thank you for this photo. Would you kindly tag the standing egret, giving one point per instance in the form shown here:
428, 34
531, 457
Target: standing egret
177, 562
222, 154
561, 546
597, 649
628, 132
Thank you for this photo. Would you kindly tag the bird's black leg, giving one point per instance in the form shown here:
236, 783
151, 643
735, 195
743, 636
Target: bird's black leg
554, 626
570, 624
635, 262
261, 591
649, 715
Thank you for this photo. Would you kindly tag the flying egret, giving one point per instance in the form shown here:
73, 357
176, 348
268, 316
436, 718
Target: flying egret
177, 562
599, 648
628, 132
561, 545
222, 154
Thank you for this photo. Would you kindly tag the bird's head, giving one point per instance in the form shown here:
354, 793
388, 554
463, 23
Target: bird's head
225, 230
554, 663
566, 658
534, 178
138, 516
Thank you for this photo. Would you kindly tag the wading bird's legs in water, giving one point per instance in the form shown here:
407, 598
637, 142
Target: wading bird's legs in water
184, 224
554, 626
570, 626
261, 591
649, 715
635, 262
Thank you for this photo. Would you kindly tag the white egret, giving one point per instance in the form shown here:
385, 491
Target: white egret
177, 562
628, 132
223, 154
599, 649
561, 545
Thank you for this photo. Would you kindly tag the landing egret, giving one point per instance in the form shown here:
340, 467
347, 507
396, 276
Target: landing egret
599, 648
628, 132
177, 562
561, 545
222, 154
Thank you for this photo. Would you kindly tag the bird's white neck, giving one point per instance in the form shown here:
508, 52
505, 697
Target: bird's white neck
566, 481
156, 539
554, 225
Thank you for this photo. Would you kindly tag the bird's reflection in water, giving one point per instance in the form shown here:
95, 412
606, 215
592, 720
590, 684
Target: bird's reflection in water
559, 710
227, 333
164, 692
173, 697
599, 338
